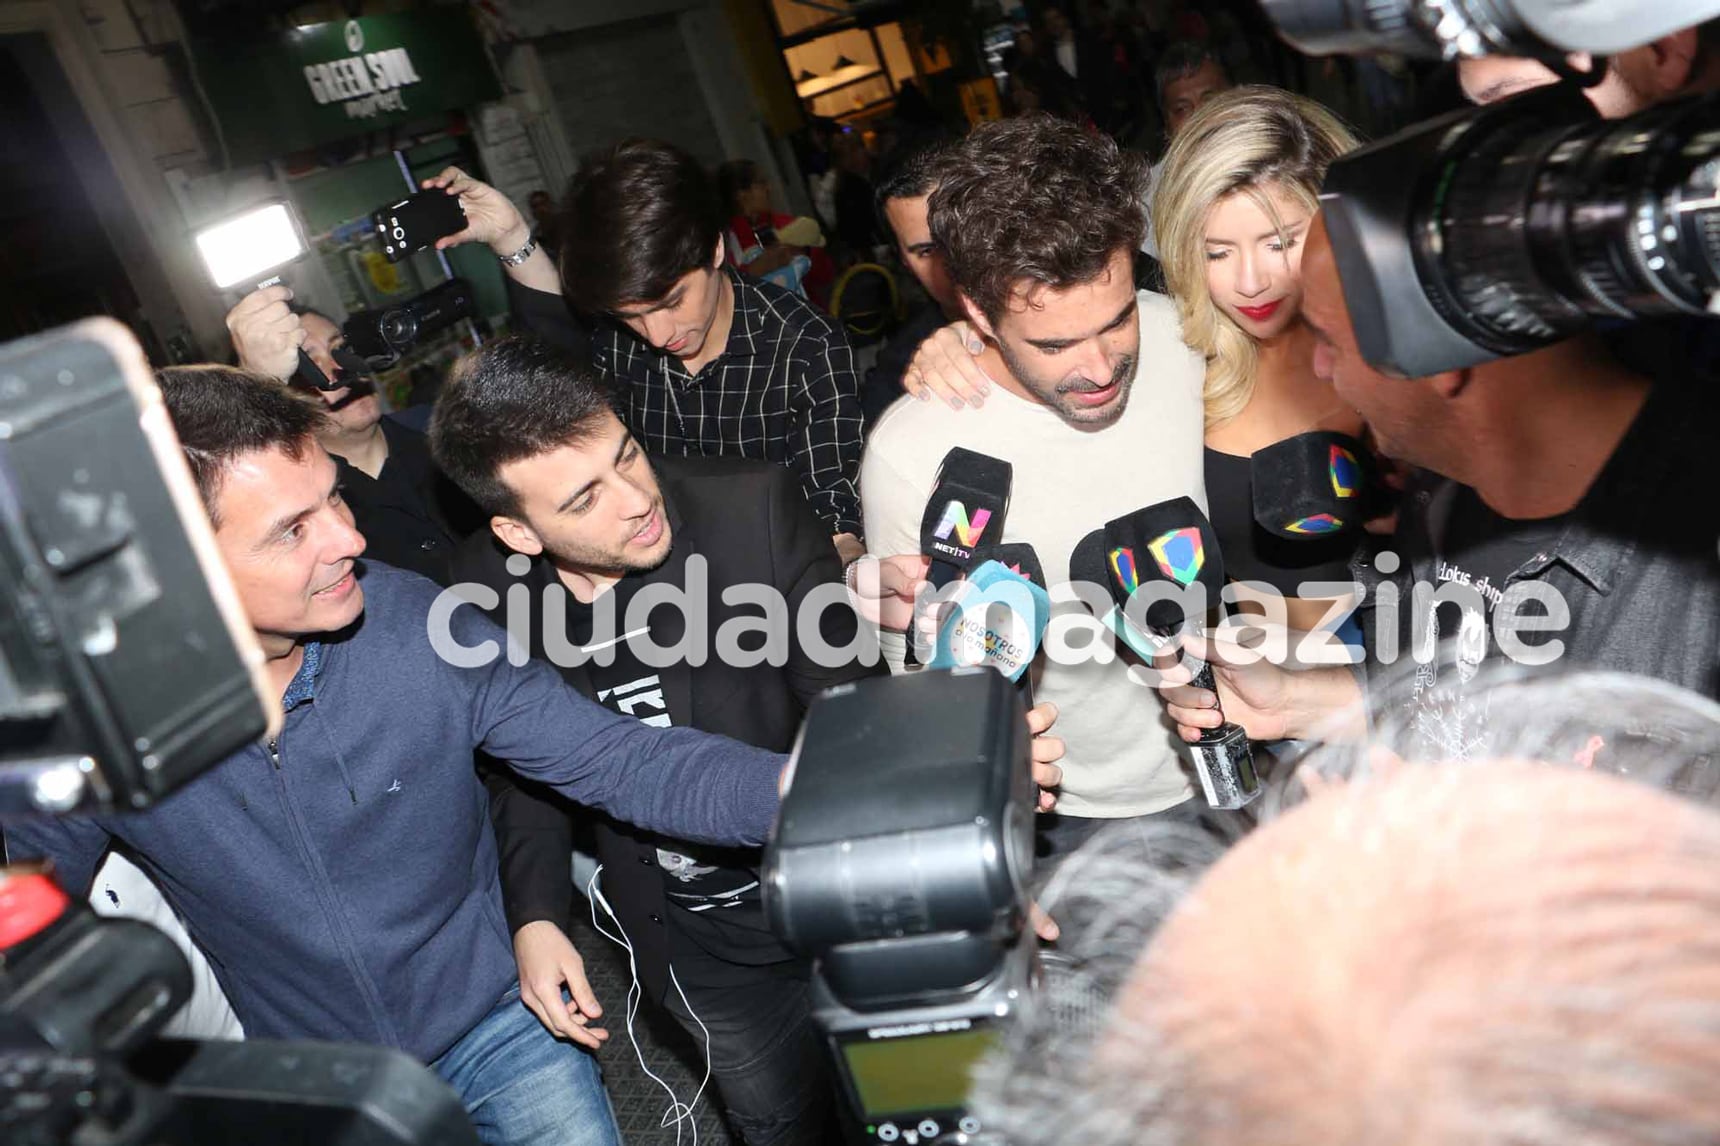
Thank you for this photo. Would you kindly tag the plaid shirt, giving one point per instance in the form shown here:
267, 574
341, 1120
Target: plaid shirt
783, 390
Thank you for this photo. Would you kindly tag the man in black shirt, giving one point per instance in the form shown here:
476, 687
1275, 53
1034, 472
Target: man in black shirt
411, 516
590, 525
706, 361
1561, 513
905, 185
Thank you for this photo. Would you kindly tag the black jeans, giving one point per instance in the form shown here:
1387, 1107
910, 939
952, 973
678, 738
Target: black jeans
767, 1059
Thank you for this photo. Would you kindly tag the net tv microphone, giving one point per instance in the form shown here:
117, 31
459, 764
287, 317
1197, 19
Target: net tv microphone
1170, 544
967, 506
1318, 484
1000, 620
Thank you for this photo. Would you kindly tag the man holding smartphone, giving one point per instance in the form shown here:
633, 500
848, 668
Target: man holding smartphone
411, 516
706, 361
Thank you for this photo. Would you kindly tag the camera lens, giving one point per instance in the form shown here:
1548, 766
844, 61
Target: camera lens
398, 327
1408, 27
1526, 231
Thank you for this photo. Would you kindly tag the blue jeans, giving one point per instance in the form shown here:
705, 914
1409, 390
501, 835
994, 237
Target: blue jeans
522, 1086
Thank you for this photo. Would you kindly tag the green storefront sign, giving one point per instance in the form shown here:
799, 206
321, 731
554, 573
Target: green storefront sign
324, 82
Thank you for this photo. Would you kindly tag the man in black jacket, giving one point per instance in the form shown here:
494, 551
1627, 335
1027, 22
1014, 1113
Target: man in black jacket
602, 538
591, 527
411, 516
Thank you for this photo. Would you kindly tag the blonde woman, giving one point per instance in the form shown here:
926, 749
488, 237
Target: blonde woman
1236, 193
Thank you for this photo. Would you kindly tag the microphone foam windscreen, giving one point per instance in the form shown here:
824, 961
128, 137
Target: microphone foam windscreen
1171, 542
1088, 564
999, 620
1019, 558
967, 506
1312, 485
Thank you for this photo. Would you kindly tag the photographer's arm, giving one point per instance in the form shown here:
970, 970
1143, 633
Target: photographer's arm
493, 220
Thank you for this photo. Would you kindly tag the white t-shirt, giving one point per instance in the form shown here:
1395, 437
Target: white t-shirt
1122, 754
121, 890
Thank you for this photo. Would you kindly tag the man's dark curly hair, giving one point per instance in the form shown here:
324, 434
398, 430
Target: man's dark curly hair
1035, 198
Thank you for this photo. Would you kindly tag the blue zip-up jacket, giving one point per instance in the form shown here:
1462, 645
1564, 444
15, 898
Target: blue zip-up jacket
344, 885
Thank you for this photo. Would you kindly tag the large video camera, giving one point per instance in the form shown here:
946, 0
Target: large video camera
126, 669
899, 866
1496, 231
1445, 29
381, 337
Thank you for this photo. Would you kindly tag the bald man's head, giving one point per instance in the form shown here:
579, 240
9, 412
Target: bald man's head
1442, 957
1409, 418
1505, 954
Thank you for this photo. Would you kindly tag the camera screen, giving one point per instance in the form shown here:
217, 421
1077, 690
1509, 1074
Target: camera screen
923, 1072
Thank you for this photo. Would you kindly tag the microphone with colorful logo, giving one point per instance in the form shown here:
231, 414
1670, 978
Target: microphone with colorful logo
1313, 485
1162, 567
999, 618
966, 508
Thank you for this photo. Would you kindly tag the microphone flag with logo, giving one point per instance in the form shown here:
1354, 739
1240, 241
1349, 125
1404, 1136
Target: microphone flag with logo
964, 513
999, 617
1313, 485
1158, 563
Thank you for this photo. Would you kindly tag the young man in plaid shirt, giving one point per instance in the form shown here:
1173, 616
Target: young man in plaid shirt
705, 361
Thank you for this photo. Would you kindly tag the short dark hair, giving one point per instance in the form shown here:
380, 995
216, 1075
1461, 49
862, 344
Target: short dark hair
1181, 60
637, 217
910, 170
1036, 198
513, 398
222, 412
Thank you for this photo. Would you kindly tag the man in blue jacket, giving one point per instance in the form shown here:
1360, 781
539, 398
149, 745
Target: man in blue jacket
342, 877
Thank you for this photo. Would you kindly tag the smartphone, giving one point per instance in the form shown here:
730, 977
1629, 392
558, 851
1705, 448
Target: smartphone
416, 222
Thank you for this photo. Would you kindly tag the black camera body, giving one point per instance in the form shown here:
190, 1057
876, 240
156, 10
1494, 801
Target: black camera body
1497, 231
380, 337
899, 865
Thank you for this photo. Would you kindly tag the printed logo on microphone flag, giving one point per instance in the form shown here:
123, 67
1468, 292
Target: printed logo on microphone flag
1180, 553
956, 520
1319, 523
1346, 474
1123, 569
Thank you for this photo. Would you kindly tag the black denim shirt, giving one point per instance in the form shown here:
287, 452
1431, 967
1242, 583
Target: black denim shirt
1637, 562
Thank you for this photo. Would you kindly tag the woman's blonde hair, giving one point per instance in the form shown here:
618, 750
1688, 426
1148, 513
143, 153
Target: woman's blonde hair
1246, 140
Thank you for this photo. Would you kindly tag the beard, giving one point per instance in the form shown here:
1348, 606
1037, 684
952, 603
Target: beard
609, 562
1056, 392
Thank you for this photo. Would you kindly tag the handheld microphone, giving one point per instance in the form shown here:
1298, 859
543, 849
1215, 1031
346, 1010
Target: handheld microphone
1317, 484
1000, 620
1169, 545
967, 505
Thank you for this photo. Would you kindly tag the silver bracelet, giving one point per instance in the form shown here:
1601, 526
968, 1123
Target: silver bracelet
520, 255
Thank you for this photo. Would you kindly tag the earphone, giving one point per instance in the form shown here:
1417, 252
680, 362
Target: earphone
677, 1112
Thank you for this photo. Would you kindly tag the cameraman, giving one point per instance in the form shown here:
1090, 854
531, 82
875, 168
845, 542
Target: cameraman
411, 516
1562, 495
1682, 64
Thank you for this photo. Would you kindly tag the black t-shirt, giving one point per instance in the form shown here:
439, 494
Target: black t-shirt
412, 517
1477, 556
716, 889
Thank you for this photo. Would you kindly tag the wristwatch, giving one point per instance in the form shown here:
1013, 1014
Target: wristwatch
520, 255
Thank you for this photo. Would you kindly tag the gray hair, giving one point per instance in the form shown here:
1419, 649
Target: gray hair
1075, 1070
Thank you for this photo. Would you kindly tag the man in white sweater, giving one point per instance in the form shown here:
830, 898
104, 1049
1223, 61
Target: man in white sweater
1099, 413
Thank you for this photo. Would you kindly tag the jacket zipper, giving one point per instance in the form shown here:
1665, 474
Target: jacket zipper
324, 887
